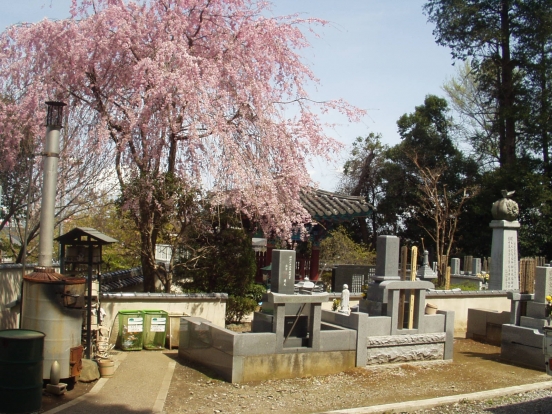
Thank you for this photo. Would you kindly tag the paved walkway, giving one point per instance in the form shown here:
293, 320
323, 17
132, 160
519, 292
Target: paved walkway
139, 386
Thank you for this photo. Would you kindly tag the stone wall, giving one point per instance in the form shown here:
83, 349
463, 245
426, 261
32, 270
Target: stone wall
486, 325
210, 306
461, 302
10, 292
253, 356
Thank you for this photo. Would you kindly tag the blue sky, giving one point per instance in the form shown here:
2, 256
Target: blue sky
379, 55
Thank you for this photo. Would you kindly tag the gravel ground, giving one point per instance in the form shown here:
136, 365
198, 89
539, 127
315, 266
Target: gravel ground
476, 367
528, 402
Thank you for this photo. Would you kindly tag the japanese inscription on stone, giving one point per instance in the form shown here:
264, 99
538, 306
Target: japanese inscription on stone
283, 271
510, 268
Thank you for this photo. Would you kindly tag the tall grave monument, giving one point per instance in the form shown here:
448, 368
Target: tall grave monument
387, 269
504, 273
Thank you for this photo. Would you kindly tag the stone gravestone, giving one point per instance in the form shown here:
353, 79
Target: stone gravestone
387, 269
425, 272
283, 271
454, 266
467, 265
543, 284
476, 266
504, 269
355, 276
387, 259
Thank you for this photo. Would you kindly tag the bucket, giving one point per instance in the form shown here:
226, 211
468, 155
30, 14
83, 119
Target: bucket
107, 367
21, 359
430, 309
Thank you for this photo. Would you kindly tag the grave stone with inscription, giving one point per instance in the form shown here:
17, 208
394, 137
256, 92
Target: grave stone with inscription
476, 266
454, 266
504, 269
387, 269
354, 276
387, 259
283, 271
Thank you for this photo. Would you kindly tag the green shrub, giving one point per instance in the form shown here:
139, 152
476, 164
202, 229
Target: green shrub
237, 307
255, 291
466, 286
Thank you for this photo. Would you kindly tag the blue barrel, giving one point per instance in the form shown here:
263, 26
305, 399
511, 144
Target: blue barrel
21, 356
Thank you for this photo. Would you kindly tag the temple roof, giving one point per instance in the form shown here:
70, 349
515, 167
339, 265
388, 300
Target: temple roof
324, 205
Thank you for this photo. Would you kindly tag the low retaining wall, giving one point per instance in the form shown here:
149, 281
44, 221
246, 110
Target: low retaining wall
253, 356
10, 292
485, 325
458, 302
461, 302
211, 306
10, 289
522, 346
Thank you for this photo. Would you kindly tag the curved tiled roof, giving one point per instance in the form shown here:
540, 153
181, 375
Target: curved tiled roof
324, 205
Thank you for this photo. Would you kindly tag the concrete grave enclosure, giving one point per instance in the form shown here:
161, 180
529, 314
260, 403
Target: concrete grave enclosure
522, 338
293, 336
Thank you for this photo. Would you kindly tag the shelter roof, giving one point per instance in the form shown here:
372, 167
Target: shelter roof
325, 205
75, 236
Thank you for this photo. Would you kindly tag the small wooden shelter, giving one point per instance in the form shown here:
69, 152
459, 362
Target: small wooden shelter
81, 255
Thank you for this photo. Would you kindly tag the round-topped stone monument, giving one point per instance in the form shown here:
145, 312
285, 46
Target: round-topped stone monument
505, 208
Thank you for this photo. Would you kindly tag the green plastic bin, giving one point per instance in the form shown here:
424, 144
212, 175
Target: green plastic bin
131, 330
155, 328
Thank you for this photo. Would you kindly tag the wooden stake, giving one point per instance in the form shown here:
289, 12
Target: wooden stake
402, 294
447, 278
413, 265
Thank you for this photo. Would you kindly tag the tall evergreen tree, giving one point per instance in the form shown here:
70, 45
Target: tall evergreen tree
481, 30
362, 177
534, 52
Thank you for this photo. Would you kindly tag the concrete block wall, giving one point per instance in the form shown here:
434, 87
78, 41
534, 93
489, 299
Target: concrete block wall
462, 302
210, 306
486, 325
522, 346
252, 356
11, 277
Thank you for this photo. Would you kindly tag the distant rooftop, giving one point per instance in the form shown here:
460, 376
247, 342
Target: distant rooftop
324, 205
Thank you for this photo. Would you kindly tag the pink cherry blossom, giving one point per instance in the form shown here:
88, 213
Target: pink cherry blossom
203, 89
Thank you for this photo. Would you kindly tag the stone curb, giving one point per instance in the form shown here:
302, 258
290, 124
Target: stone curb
409, 406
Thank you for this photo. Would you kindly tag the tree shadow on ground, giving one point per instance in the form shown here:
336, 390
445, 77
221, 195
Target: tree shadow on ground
495, 356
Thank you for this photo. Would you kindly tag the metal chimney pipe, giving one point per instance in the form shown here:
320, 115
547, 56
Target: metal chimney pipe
51, 157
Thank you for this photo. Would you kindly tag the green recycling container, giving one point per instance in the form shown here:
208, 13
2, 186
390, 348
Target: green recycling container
155, 328
21, 360
131, 330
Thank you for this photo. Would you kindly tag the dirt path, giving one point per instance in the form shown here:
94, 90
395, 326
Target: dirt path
475, 367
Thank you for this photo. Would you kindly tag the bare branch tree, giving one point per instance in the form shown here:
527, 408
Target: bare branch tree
442, 206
